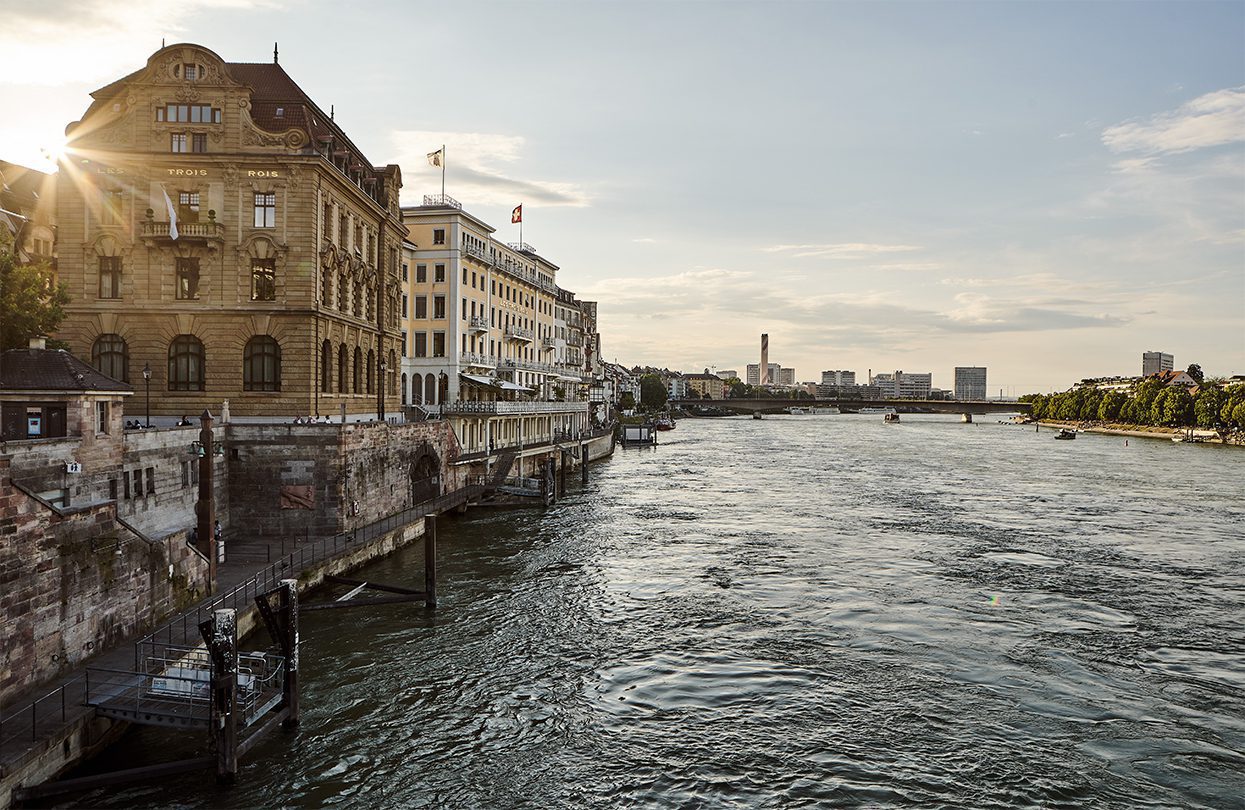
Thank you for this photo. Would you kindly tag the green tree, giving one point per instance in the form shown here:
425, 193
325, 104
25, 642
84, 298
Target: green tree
31, 301
652, 392
1195, 371
627, 401
1206, 406
1173, 407
739, 390
1111, 405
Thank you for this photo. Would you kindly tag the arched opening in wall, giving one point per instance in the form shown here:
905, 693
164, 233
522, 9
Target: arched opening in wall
417, 389
358, 371
393, 376
425, 476
444, 389
403, 389
371, 364
342, 362
430, 389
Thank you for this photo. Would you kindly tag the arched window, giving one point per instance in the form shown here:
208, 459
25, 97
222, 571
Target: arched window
417, 389
326, 286
430, 389
393, 376
342, 361
186, 364
358, 371
111, 356
403, 389
261, 364
341, 291
326, 368
371, 366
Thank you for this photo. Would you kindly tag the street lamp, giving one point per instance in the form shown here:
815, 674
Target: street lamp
147, 383
381, 399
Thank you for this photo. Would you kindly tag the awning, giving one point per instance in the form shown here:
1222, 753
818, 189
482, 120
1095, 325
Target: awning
478, 380
509, 386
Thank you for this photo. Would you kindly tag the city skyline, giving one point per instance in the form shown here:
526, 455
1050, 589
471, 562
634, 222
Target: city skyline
1047, 191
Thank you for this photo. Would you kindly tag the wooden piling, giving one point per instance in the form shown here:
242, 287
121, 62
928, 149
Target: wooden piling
289, 648
223, 725
583, 464
430, 561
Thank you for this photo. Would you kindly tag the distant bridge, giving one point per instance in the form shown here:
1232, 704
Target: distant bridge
964, 407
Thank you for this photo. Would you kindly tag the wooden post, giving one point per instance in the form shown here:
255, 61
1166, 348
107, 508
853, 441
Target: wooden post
430, 561
583, 464
563, 458
289, 644
224, 718
205, 511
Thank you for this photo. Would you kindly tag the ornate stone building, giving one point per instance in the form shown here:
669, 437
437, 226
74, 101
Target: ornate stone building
218, 229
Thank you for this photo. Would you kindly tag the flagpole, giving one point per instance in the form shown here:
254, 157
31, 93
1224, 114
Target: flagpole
443, 170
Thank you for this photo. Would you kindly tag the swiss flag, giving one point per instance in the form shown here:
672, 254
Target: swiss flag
517, 214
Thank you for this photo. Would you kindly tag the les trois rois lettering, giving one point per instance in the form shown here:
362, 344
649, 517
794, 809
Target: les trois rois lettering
187, 172
263, 173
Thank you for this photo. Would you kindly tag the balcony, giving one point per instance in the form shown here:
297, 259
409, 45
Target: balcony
548, 343
211, 233
574, 339
479, 255
478, 323
512, 408
519, 334
477, 360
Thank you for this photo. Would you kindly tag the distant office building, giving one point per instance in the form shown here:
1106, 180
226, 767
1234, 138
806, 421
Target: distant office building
839, 378
754, 374
1155, 363
970, 382
785, 376
904, 385
729, 374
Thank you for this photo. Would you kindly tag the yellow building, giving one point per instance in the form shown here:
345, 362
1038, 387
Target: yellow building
492, 342
220, 231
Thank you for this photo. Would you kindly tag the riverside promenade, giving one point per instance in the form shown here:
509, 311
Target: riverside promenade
49, 729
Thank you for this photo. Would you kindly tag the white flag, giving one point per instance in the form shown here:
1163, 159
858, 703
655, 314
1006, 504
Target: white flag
434, 158
172, 213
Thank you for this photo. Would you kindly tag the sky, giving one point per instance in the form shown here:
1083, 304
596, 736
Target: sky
1045, 189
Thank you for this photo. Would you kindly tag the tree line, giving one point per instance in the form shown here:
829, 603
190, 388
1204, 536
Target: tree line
1149, 402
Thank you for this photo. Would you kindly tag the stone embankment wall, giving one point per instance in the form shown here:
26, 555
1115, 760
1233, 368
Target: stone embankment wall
379, 467
75, 581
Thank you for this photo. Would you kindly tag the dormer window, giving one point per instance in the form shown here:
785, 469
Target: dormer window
280, 113
188, 71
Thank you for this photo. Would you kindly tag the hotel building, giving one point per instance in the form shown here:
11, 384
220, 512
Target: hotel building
219, 232
1156, 363
491, 341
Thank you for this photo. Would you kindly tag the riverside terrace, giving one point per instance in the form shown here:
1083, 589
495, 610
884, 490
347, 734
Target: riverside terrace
965, 407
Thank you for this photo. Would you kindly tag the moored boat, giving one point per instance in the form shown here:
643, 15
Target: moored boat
1065, 433
891, 417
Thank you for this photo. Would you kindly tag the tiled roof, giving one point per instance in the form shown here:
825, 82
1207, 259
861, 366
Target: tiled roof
52, 370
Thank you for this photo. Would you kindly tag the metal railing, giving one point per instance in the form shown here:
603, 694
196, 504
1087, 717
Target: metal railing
478, 323
442, 199
514, 408
46, 715
200, 230
518, 333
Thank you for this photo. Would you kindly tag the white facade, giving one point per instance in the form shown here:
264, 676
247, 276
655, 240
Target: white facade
754, 373
1156, 363
904, 385
838, 377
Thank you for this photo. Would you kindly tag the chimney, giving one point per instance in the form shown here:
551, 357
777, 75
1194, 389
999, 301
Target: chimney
38, 342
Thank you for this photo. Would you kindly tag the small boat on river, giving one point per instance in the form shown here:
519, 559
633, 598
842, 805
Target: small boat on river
1065, 433
756, 414
891, 417
664, 423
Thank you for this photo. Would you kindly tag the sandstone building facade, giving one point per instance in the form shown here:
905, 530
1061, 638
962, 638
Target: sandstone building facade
219, 229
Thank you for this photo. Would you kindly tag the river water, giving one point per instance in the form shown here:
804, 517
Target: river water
801, 611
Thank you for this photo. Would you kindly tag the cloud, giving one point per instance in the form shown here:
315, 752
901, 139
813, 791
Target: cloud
645, 240
839, 250
1212, 119
472, 167
50, 35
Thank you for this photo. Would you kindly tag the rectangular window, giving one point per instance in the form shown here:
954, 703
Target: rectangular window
404, 346
125, 483
464, 310
438, 306
473, 280
187, 279
101, 417
198, 142
265, 209
438, 344
439, 276
464, 276
464, 343
438, 236
327, 221
109, 276
406, 268
421, 344
151, 480
406, 306
111, 214
263, 279
187, 206
185, 475
421, 306
421, 274
177, 142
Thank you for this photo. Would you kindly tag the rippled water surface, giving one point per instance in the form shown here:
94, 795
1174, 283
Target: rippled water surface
812, 611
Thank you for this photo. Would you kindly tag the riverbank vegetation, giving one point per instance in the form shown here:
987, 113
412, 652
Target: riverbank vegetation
1212, 405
